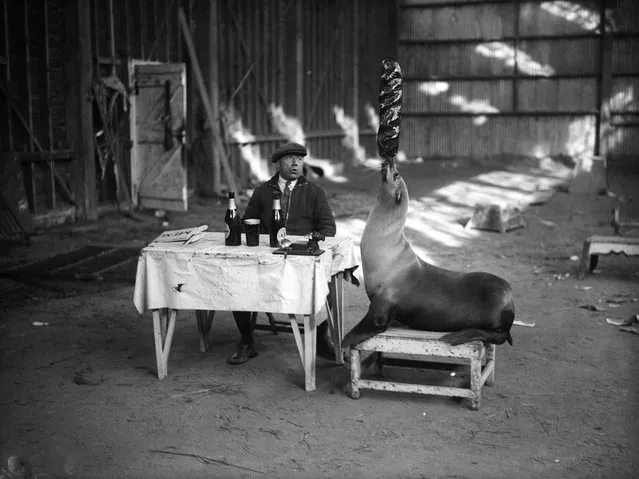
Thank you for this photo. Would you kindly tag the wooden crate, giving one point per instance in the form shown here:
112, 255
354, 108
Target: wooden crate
425, 345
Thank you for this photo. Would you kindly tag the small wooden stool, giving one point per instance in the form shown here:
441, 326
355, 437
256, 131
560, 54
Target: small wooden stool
425, 344
595, 246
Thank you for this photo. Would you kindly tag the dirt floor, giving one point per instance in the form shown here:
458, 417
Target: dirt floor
80, 396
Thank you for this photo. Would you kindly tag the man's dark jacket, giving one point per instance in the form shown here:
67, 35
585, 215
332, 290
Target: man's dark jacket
308, 208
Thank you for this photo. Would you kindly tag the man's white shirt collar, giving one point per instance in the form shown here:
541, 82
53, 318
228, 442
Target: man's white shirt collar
281, 182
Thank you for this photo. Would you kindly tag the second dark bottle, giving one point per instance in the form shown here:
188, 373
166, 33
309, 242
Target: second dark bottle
276, 230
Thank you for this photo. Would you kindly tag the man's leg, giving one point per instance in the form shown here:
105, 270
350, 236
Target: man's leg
245, 348
324, 342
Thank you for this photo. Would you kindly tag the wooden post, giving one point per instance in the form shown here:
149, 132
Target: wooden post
111, 38
393, 29
27, 60
7, 77
515, 99
214, 134
205, 96
47, 54
355, 92
299, 62
605, 84
80, 114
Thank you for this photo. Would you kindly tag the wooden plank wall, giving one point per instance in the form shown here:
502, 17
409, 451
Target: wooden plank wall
511, 77
316, 61
306, 61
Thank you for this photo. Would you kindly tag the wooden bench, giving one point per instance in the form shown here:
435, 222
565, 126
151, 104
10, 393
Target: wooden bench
426, 346
595, 246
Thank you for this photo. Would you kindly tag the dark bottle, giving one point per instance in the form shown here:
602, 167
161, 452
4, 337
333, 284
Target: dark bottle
233, 229
276, 229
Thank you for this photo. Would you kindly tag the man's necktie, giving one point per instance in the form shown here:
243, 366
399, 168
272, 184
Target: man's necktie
286, 196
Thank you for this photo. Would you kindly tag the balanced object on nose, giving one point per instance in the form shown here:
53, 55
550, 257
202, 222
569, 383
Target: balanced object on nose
390, 110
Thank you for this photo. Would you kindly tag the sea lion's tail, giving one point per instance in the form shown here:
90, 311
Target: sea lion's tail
468, 335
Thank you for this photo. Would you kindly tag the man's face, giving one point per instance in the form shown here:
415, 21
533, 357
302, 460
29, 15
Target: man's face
291, 167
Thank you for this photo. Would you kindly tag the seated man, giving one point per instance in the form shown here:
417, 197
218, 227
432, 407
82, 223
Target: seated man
305, 209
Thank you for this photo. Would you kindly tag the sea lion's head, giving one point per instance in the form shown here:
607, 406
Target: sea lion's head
392, 189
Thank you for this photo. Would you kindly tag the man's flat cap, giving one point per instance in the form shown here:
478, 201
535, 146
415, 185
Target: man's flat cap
289, 149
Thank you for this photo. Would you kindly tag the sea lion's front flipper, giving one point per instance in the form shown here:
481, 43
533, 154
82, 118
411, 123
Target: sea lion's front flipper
380, 314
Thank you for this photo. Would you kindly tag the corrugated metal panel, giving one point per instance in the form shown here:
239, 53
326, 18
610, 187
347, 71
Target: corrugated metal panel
559, 18
477, 137
625, 55
567, 94
459, 72
454, 96
625, 15
474, 21
556, 57
624, 95
465, 60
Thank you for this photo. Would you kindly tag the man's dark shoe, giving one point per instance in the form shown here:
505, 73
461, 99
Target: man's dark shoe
324, 346
244, 352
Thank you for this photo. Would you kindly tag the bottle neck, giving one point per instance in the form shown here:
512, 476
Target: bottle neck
232, 204
277, 205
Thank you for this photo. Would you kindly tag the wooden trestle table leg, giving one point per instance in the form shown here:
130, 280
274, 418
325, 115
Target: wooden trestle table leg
163, 337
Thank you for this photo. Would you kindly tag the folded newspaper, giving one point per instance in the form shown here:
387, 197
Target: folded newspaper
184, 236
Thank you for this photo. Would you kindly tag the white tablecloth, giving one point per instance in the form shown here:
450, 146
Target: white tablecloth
209, 275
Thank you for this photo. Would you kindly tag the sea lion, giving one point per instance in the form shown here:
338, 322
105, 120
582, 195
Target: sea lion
403, 287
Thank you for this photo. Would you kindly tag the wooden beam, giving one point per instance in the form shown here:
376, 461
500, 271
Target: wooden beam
605, 84
515, 72
27, 55
7, 75
393, 29
111, 36
46, 156
230, 176
127, 28
47, 83
166, 32
109, 61
355, 72
299, 63
84, 174
281, 75
214, 94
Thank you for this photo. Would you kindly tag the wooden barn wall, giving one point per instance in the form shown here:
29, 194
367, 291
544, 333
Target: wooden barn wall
39, 95
518, 77
314, 61
313, 64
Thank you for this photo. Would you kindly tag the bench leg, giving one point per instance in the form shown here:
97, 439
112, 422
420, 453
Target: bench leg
355, 373
379, 363
475, 380
490, 356
585, 259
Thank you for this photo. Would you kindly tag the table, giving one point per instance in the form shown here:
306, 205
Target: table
208, 276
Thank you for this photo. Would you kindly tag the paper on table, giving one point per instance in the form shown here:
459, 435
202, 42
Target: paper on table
180, 236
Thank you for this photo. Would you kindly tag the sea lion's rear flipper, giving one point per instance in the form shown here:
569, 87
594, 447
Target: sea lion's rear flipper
468, 335
380, 314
